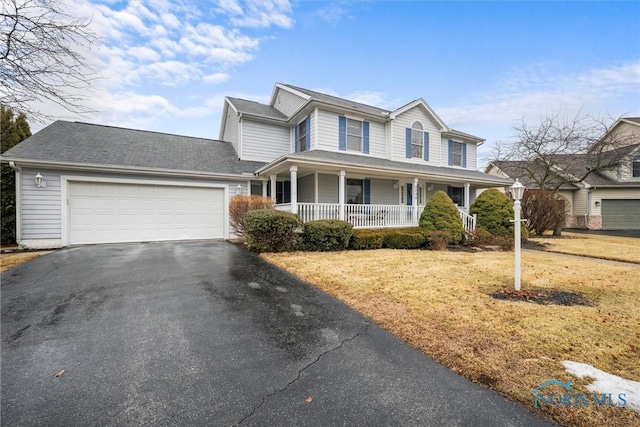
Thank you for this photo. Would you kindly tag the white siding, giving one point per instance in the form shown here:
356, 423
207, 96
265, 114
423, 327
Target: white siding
263, 142
327, 188
327, 131
328, 136
406, 120
231, 129
580, 201
383, 193
41, 207
306, 189
472, 154
40, 217
287, 103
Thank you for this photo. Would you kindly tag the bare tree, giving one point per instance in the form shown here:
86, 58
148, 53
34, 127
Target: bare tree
40, 56
559, 151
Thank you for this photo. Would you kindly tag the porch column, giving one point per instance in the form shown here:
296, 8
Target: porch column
341, 187
264, 188
293, 170
273, 187
414, 201
467, 190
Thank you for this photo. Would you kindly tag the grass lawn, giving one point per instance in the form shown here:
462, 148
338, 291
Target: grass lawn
606, 247
10, 260
439, 302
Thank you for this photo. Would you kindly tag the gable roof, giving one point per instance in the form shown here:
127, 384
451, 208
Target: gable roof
74, 143
256, 109
339, 102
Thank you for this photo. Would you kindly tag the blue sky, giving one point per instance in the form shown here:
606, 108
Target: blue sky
482, 66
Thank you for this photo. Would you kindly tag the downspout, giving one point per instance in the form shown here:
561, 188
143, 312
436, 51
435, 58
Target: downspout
588, 214
18, 182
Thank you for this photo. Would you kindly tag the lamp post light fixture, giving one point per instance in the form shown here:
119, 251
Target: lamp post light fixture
517, 191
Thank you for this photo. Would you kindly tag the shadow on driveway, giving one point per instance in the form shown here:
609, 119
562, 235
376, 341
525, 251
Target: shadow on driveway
205, 333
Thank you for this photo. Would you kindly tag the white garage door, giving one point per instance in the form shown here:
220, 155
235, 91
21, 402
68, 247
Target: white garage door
111, 213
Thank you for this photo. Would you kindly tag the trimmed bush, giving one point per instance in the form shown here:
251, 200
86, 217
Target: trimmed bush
240, 204
495, 213
405, 238
269, 230
326, 235
441, 214
366, 239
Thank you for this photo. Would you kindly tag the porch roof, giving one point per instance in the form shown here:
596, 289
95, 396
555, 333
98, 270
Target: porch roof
353, 162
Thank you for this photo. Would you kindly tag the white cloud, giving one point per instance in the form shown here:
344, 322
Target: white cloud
333, 13
216, 78
144, 53
258, 14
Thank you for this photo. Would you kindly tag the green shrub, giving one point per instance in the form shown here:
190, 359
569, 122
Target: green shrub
269, 230
495, 213
405, 238
441, 214
362, 239
326, 235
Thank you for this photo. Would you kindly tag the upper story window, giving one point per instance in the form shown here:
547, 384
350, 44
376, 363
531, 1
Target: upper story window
417, 139
302, 135
635, 168
457, 154
354, 135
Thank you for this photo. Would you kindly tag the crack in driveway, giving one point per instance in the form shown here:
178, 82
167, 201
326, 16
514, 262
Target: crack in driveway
300, 371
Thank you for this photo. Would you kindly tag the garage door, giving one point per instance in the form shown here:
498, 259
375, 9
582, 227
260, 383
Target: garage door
621, 214
111, 213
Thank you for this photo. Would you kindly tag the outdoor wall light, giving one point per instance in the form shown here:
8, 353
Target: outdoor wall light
430, 187
598, 203
40, 182
239, 189
517, 191
395, 185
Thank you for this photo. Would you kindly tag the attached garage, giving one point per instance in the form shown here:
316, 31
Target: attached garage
115, 212
620, 214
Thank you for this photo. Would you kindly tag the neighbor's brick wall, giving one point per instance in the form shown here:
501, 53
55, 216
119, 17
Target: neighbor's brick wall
578, 221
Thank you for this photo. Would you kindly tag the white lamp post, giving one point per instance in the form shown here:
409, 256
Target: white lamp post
517, 191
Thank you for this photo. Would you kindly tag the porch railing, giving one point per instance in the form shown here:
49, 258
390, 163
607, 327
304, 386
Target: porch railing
370, 216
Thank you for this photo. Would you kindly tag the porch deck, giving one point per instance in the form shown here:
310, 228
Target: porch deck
370, 216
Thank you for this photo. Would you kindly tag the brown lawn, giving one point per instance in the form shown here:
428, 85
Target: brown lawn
606, 247
10, 260
439, 303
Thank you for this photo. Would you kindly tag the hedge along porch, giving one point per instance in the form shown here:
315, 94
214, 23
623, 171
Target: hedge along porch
373, 195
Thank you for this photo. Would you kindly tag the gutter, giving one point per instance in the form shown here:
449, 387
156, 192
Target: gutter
122, 169
18, 184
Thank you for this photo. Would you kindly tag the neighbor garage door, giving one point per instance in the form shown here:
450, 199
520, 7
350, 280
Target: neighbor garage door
621, 214
110, 212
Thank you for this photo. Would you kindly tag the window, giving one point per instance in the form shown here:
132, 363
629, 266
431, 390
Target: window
302, 136
417, 139
458, 154
355, 192
635, 168
354, 135
457, 195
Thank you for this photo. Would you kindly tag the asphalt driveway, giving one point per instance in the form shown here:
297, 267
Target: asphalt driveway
205, 333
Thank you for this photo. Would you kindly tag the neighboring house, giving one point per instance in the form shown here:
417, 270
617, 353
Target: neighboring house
317, 155
606, 199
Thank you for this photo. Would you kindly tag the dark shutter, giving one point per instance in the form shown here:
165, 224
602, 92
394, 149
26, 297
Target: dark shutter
425, 149
464, 155
286, 192
367, 191
408, 143
450, 153
342, 133
295, 139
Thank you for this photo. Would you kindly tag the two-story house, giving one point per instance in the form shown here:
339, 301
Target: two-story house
317, 155
609, 196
